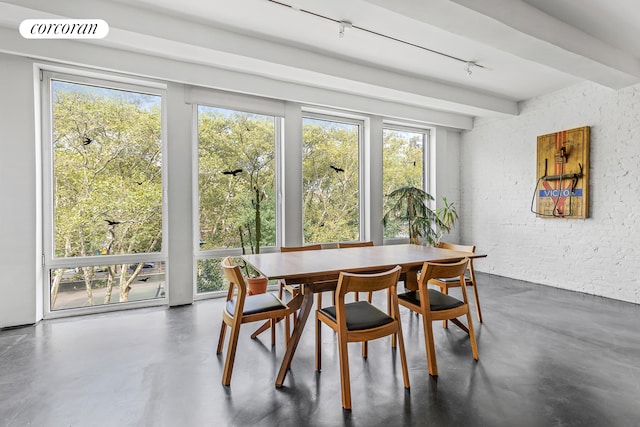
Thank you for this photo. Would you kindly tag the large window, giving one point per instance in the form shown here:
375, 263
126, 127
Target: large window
404, 160
104, 204
105, 192
236, 185
331, 179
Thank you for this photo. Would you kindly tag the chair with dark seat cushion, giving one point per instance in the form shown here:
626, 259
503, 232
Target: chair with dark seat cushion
292, 288
361, 321
452, 282
357, 245
434, 305
256, 304
438, 300
360, 315
243, 308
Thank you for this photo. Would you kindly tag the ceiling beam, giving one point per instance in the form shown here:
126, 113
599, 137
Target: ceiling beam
518, 28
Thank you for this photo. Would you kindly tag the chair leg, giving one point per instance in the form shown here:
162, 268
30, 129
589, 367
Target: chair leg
231, 354
223, 330
394, 336
266, 325
430, 346
318, 344
273, 332
445, 322
365, 344
344, 372
287, 330
356, 296
472, 337
475, 295
403, 357
295, 313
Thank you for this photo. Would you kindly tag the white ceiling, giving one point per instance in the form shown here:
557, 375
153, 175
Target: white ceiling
524, 48
616, 22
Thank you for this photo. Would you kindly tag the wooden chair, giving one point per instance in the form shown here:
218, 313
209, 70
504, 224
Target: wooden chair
243, 308
435, 305
445, 283
294, 288
356, 245
360, 321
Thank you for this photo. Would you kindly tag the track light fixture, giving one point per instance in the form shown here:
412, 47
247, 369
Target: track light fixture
342, 26
468, 65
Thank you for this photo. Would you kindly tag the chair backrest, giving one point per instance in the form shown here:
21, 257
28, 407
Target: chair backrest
233, 274
355, 244
300, 248
356, 282
432, 270
455, 247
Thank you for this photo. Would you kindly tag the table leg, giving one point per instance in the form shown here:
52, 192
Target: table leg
305, 309
411, 280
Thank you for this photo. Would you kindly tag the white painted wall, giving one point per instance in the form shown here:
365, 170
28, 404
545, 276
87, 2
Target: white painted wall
445, 174
292, 176
374, 194
18, 199
597, 255
180, 241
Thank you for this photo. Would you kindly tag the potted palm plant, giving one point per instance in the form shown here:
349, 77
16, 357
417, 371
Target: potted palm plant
448, 214
411, 204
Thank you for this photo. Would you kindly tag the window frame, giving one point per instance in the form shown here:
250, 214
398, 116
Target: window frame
242, 104
49, 261
361, 123
426, 164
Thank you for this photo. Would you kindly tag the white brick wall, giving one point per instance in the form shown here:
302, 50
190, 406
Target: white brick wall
598, 255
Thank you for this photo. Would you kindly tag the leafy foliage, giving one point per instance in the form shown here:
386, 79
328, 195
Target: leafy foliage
330, 181
114, 178
411, 204
236, 179
107, 177
403, 166
448, 214
108, 184
209, 277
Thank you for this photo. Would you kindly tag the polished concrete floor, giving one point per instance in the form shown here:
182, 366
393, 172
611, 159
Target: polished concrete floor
548, 357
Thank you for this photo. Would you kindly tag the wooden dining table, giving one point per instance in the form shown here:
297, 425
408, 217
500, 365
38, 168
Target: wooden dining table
317, 271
